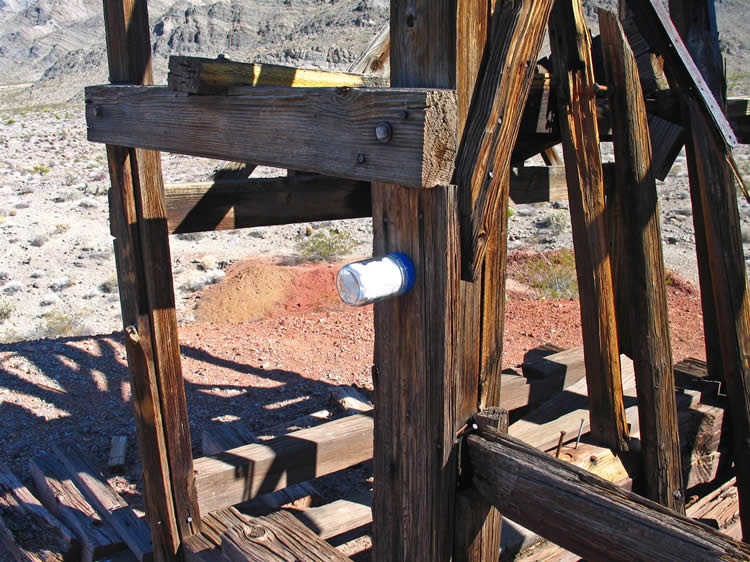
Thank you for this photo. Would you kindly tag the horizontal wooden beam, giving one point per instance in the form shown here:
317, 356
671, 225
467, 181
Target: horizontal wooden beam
243, 473
244, 203
335, 518
582, 512
324, 130
198, 75
228, 204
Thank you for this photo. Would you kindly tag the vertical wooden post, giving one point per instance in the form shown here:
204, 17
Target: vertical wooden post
635, 194
415, 465
717, 225
479, 342
696, 22
139, 227
571, 53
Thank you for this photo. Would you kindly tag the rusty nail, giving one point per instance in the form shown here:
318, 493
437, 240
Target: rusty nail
559, 445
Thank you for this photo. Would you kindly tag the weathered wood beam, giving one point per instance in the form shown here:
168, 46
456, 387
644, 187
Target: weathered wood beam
245, 472
571, 53
375, 58
113, 508
230, 204
66, 502
22, 515
715, 186
643, 275
493, 122
654, 22
551, 498
694, 20
721, 263
138, 226
197, 75
324, 130
335, 518
277, 536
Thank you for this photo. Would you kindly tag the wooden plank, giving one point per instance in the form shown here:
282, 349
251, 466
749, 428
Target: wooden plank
229, 204
323, 130
58, 493
718, 510
335, 518
118, 451
484, 155
563, 413
276, 537
536, 184
221, 437
646, 291
699, 439
147, 300
539, 130
568, 365
246, 472
116, 511
551, 497
655, 24
571, 53
198, 75
27, 530
375, 58
670, 137
692, 373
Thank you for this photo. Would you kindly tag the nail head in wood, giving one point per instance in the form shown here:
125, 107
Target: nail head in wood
361, 158
383, 132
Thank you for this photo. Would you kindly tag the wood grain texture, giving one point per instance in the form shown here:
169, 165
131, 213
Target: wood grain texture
643, 274
375, 59
115, 510
322, 130
276, 537
245, 472
334, 518
493, 122
715, 187
27, 530
132, 171
58, 493
118, 451
197, 75
551, 497
414, 376
229, 204
571, 54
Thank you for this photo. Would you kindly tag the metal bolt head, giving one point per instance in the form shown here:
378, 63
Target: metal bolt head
383, 131
361, 158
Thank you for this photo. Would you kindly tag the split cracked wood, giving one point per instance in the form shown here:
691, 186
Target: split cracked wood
494, 119
571, 52
323, 130
642, 278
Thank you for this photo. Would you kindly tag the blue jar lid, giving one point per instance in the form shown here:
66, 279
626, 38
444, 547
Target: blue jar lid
408, 269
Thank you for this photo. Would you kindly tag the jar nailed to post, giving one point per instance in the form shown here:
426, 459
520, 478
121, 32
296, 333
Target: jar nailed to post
374, 279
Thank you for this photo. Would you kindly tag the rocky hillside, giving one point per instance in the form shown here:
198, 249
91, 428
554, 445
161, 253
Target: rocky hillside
59, 44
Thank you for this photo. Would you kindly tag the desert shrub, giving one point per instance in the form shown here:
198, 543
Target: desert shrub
109, 285
39, 240
556, 222
62, 228
198, 282
60, 324
40, 169
6, 309
325, 245
553, 275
